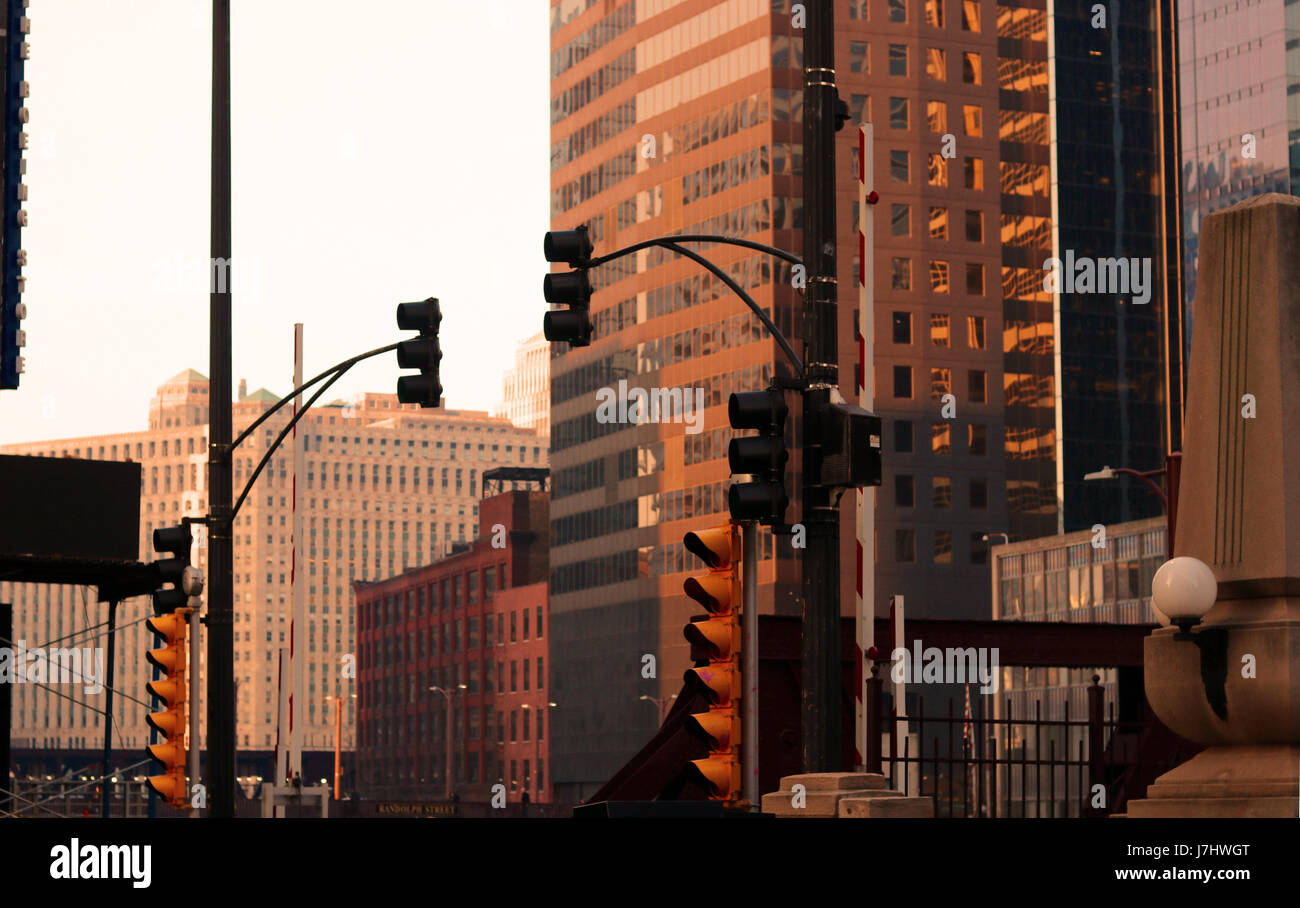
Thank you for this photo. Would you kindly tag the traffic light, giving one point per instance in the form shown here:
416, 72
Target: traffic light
850, 451
170, 723
763, 456
176, 541
421, 353
571, 288
13, 189
715, 648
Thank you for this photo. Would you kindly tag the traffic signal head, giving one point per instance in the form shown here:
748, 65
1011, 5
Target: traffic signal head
423, 353
175, 541
170, 689
715, 646
850, 456
764, 457
569, 288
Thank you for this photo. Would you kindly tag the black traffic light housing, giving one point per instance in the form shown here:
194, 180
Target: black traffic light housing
763, 456
571, 288
175, 541
421, 353
850, 453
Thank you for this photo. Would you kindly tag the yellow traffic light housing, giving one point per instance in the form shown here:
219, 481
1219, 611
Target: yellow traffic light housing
172, 628
716, 643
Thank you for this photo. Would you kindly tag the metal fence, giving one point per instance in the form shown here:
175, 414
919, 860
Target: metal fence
999, 765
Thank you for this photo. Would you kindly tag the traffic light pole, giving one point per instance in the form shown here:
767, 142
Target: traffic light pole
220, 619
821, 723
192, 708
108, 707
749, 658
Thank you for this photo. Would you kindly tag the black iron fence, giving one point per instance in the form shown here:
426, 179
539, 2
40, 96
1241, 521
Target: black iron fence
981, 760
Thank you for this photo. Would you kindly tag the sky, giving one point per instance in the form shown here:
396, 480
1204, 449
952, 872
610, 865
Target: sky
383, 152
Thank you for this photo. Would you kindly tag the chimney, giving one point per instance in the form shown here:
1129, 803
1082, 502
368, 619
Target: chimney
243, 388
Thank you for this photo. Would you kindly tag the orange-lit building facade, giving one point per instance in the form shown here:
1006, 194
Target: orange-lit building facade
673, 117
477, 618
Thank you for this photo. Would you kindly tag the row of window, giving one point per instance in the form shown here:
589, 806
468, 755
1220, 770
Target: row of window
936, 62
900, 276
941, 552
941, 330
940, 438
977, 489
941, 384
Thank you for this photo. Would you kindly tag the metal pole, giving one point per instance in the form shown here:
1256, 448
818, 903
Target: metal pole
820, 665
108, 706
447, 762
749, 653
297, 584
6, 707
338, 738
1173, 469
193, 670
866, 498
221, 603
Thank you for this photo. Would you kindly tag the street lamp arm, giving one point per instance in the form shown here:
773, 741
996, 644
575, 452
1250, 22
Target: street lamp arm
749, 301
697, 238
1145, 477
339, 373
340, 367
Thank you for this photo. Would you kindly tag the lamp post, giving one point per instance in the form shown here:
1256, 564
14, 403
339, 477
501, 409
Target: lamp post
1168, 495
338, 741
447, 760
537, 746
660, 703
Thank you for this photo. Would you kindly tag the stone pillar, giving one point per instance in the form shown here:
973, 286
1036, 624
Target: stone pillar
863, 795
1237, 688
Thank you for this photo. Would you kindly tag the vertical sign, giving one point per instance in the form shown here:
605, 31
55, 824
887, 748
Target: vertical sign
12, 256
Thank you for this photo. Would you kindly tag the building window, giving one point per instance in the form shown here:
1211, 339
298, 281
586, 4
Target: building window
938, 175
934, 13
943, 547
859, 57
903, 382
897, 10
970, 15
941, 496
979, 494
898, 59
974, 226
940, 383
902, 327
904, 491
974, 172
898, 113
901, 274
936, 63
900, 166
979, 549
974, 279
903, 436
858, 10
939, 329
860, 107
938, 276
938, 223
975, 332
936, 115
971, 68
905, 546
977, 384
900, 218
940, 438
977, 440
973, 115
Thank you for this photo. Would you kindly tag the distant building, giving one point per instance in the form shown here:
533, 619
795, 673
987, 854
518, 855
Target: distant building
387, 487
477, 618
1087, 576
526, 398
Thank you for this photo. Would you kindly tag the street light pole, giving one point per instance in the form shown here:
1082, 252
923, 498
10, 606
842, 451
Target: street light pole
220, 618
449, 759
820, 658
1168, 495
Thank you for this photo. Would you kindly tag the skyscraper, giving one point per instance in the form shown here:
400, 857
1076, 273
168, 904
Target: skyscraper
1004, 138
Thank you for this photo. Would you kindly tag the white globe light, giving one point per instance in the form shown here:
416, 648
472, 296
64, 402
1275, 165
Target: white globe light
1184, 588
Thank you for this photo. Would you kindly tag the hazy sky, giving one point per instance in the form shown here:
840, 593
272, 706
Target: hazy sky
383, 152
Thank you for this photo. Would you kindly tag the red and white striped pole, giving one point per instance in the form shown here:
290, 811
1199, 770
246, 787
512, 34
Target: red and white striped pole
866, 504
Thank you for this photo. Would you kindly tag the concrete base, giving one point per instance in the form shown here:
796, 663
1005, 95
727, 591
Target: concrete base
842, 794
1249, 780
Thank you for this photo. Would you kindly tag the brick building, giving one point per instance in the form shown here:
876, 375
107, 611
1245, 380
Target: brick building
473, 624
